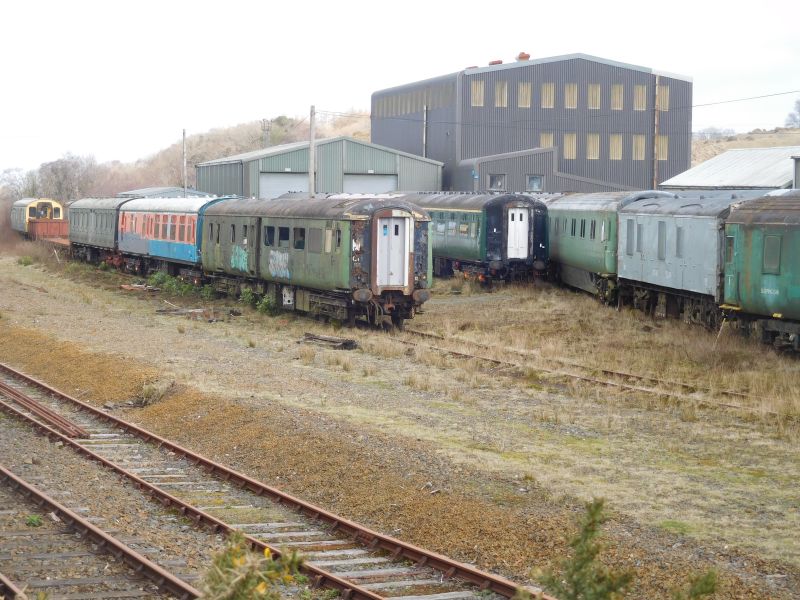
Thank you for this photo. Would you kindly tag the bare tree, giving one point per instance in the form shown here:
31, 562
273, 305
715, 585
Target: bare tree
793, 118
68, 178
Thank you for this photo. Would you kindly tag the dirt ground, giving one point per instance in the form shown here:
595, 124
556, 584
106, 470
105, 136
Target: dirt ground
487, 465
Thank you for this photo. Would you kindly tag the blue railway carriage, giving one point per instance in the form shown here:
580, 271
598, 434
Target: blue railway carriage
93, 228
491, 236
163, 234
583, 238
671, 256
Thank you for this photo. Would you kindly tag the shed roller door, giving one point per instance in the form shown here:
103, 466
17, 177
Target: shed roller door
369, 184
272, 185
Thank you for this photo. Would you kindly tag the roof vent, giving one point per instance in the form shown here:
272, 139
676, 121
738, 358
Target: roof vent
523, 56
472, 67
495, 62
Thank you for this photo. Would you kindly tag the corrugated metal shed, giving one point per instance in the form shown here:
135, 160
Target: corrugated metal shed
741, 168
160, 192
342, 164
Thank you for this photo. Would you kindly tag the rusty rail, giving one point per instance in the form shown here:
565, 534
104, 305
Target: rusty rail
595, 380
8, 589
41, 411
372, 539
160, 577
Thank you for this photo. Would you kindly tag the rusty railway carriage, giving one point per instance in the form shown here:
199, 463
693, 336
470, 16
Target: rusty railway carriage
34, 209
762, 274
343, 256
486, 235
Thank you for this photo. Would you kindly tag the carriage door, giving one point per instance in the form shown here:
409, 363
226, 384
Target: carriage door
518, 233
392, 251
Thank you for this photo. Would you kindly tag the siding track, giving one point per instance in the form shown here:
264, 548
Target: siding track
358, 562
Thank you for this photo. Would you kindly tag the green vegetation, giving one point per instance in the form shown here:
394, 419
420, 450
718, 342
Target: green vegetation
268, 306
174, 286
25, 261
33, 521
249, 297
237, 573
207, 292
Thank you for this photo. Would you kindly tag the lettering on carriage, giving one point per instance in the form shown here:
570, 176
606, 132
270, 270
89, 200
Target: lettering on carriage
279, 264
769, 292
239, 259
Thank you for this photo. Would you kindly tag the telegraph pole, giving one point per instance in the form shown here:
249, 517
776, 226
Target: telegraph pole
312, 150
266, 127
184, 163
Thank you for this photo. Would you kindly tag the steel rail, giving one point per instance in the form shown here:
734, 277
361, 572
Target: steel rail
605, 382
8, 589
611, 372
107, 543
369, 538
48, 415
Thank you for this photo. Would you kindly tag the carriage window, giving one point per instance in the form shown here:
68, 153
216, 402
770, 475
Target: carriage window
283, 237
772, 254
164, 225
182, 228
555, 225
328, 240
463, 229
592, 229
629, 237
31, 212
233, 233
603, 231
211, 232
583, 227
338, 239
512, 216
269, 235
729, 249
662, 240
244, 234
679, 242
639, 236
573, 228
217, 233
315, 240
397, 229
565, 225
173, 226
473, 229
299, 238
56, 213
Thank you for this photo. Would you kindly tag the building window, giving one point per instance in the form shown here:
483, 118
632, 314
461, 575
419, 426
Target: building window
640, 97
546, 140
269, 235
299, 238
571, 95
662, 240
615, 146
772, 254
477, 92
593, 146
638, 147
283, 237
501, 94
548, 95
524, 95
535, 183
569, 146
593, 96
662, 147
662, 98
497, 182
617, 96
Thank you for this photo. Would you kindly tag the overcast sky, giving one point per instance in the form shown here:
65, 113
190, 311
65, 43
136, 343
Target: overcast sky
120, 79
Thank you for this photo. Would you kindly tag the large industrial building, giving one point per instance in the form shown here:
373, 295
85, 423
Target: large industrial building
342, 164
566, 123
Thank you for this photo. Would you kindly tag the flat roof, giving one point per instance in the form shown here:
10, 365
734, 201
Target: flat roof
740, 168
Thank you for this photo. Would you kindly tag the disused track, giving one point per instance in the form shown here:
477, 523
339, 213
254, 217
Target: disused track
358, 562
67, 552
618, 379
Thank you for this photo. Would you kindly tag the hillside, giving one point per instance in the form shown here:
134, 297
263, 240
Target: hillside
702, 150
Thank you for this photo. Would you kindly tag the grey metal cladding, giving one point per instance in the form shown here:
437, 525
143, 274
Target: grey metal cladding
221, 179
464, 132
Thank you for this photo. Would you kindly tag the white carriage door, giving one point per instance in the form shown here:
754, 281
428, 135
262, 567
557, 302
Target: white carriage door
392, 249
517, 233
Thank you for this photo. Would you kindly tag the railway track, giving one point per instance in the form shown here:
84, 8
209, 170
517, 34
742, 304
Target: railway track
358, 562
677, 390
48, 549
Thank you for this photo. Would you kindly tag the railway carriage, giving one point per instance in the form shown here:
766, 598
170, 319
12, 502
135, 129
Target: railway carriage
164, 234
27, 209
762, 274
671, 255
490, 236
342, 255
93, 228
583, 238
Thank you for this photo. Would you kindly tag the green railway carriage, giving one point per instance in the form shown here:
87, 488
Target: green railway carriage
762, 275
582, 235
341, 255
488, 235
